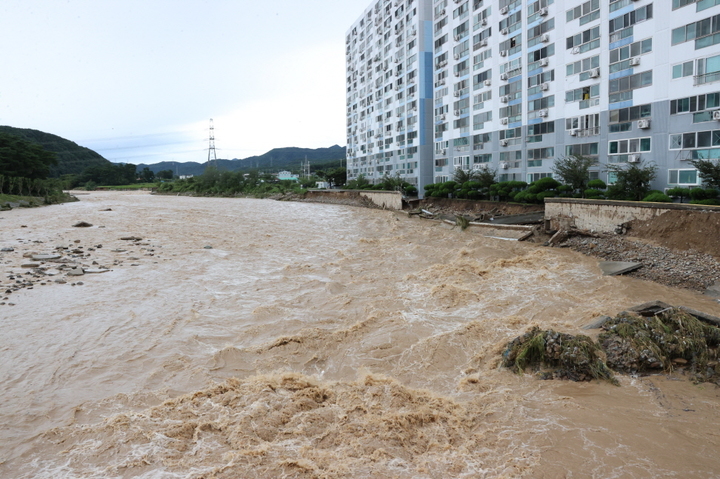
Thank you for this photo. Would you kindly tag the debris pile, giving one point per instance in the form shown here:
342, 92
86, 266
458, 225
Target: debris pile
577, 358
665, 340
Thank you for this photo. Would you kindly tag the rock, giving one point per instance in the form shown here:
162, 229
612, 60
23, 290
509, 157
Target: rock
107, 209
82, 224
96, 271
130, 238
30, 265
7, 250
77, 271
45, 257
208, 247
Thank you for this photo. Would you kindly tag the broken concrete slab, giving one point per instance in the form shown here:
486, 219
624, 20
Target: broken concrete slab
597, 323
649, 309
613, 268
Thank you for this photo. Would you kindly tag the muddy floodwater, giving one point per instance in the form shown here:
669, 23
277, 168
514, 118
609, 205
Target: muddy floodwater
242, 338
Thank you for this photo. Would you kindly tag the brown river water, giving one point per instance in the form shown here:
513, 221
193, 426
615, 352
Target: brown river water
317, 341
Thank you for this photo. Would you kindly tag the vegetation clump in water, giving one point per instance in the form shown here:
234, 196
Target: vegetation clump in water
664, 341
578, 358
629, 343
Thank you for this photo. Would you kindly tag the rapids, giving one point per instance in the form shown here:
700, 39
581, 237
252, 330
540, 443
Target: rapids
261, 339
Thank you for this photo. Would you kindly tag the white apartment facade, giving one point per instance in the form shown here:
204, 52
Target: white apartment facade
512, 85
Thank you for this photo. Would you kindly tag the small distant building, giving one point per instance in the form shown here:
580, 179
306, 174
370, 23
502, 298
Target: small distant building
286, 175
323, 185
185, 177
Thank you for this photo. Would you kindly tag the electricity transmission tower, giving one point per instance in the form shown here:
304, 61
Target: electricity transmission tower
211, 149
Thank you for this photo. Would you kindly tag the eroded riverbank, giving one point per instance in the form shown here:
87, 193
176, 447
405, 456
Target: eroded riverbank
346, 343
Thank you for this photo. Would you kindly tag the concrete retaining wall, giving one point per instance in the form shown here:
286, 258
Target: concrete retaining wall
605, 216
384, 199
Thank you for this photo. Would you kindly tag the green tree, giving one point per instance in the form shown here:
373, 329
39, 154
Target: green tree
20, 158
359, 183
574, 170
337, 176
709, 172
147, 175
164, 175
633, 181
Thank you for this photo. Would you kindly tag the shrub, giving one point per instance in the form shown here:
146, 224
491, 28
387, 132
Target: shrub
547, 184
90, 186
593, 193
545, 194
658, 197
678, 192
698, 194
411, 191
711, 201
597, 184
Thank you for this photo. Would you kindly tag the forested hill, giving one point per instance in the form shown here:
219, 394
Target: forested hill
71, 157
277, 158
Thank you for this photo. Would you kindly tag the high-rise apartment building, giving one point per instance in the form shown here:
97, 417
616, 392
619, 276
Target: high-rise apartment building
511, 85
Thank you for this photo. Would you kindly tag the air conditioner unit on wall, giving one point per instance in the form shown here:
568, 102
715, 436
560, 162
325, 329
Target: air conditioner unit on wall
633, 158
487, 82
504, 31
504, 10
634, 61
504, 165
504, 99
716, 115
503, 142
543, 11
573, 132
544, 86
504, 121
503, 76
544, 62
594, 73
545, 38
643, 124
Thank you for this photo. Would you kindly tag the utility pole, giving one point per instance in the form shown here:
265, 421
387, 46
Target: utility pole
211, 149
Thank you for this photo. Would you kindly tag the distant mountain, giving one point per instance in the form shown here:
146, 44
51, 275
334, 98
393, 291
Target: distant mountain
277, 158
71, 157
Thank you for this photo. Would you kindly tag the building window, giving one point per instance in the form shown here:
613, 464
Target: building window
636, 16
583, 149
584, 41
632, 145
622, 58
703, 32
587, 12
695, 103
621, 89
683, 177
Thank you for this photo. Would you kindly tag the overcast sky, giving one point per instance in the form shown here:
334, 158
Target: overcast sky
138, 80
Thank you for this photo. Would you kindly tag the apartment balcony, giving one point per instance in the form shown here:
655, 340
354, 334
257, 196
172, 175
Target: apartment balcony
706, 78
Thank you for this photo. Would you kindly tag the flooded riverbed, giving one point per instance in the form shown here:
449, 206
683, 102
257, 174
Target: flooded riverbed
254, 338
